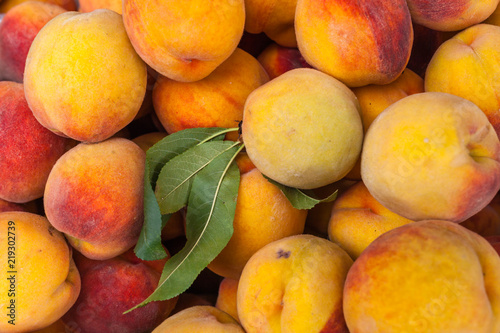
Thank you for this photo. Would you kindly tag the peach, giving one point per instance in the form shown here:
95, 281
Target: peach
111, 287
97, 85
347, 40
6, 206
486, 222
437, 151
373, 99
147, 140
28, 150
86, 6
94, 195
272, 17
294, 285
450, 16
303, 129
357, 219
184, 40
263, 214
428, 276
41, 281
215, 101
57, 327
468, 65
175, 227
494, 18
277, 59
7, 5
227, 297
200, 318
18, 28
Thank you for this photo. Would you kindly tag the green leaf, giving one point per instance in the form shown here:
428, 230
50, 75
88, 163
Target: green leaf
299, 199
209, 224
149, 246
178, 142
176, 177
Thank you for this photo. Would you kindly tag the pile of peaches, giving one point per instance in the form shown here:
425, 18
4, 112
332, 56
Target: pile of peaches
393, 104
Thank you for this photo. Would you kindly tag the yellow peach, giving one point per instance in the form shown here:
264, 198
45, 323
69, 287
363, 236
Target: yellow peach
294, 284
357, 219
468, 65
263, 214
227, 297
215, 101
184, 40
98, 83
348, 41
41, 281
430, 276
428, 154
200, 318
303, 129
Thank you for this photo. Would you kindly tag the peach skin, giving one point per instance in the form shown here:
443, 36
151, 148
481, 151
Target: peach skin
227, 297
277, 59
468, 65
215, 101
98, 84
429, 276
437, 151
357, 219
184, 40
94, 195
346, 40
41, 281
294, 285
18, 28
7, 5
28, 151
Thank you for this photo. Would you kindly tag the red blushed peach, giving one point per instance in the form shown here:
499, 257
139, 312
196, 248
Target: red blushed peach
111, 287
27, 149
184, 40
18, 28
7, 5
94, 195
6, 206
277, 59
346, 39
215, 101
446, 15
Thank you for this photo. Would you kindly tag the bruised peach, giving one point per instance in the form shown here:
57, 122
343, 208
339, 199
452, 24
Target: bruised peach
28, 150
347, 40
18, 28
94, 195
215, 101
184, 40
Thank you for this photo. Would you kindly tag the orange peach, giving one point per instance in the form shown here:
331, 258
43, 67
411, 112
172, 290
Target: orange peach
227, 297
28, 150
277, 59
347, 40
357, 219
86, 6
450, 16
263, 214
184, 40
468, 65
430, 276
18, 28
7, 5
111, 287
215, 101
94, 194
428, 154
97, 85
41, 281
200, 318
294, 285
272, 17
